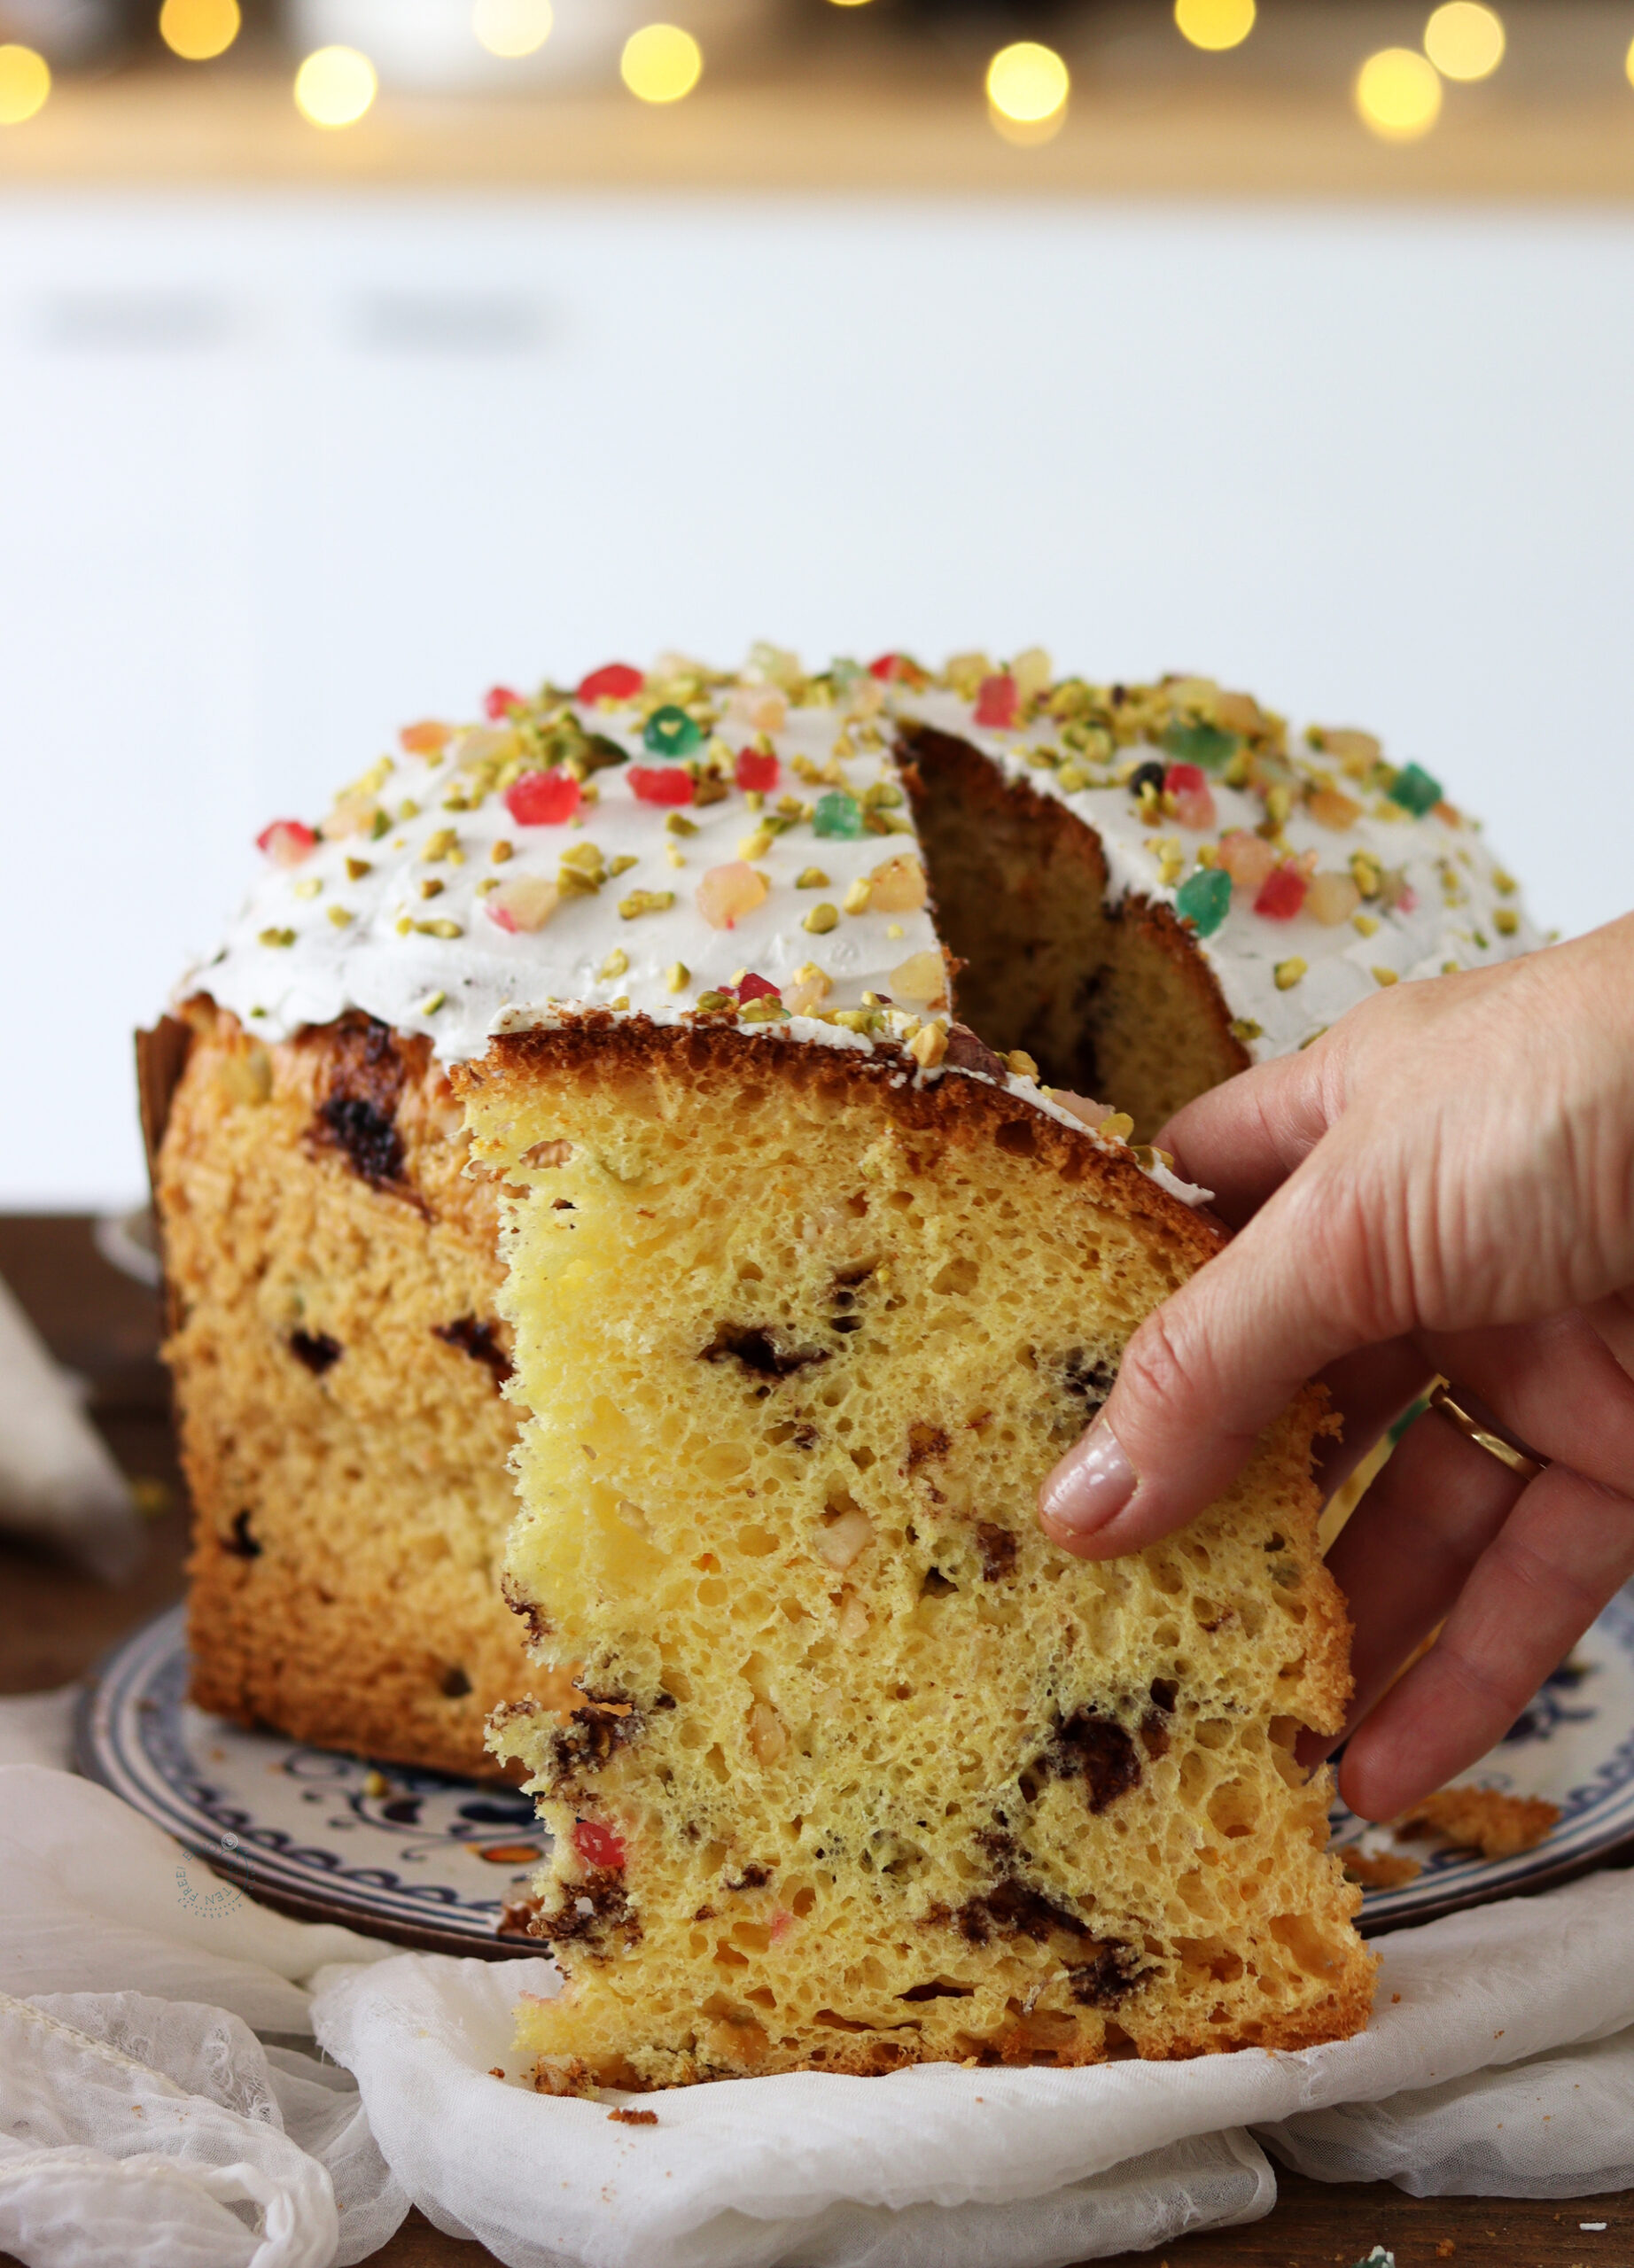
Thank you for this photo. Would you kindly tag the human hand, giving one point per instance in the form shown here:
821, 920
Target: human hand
1443, 1182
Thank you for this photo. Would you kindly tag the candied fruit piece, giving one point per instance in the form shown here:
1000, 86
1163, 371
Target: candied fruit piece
1415, 790
755, 770
921, 980
899, 669
598, 1845
613, 681
525, 903
1193, 798
1332, 898
648, 785
837, 816
997, 700
727, 893
1204, 899
500, 702
1330, 807
1203, 744
286, 841
757, 988
544, 798
427, 738
898, 885
670, 731
1282, 894
1248, 859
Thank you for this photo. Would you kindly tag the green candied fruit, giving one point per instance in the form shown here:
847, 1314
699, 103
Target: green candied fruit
670, 731
1204, 899
1205, 744
838, 815
1415, 790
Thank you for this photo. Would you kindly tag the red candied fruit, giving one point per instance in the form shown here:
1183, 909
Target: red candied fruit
889, 667
544, 798
287, 841
757, 988
650, 785
756, 771
500, 701
1406, 898
1193, 798
616, 682
1282, 894
598, 1845
996, 702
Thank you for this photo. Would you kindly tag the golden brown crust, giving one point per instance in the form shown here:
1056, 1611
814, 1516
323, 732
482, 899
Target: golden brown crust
1496, 1825
343, 1436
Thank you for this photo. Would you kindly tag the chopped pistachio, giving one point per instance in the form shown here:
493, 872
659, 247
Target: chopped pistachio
756, 845
309, 886
1288, 973
856, 898
339, 916
1022, 1064
709, 1003
1386, 975
928, 1045
356, 868
430, 887
429, 1008
810, 878
677, 976
821, 918
622, 863
615, 964
439, 928
277, 936
1244, 1028
1366, 923
502, 851
645, 901
1506, 921
678, 823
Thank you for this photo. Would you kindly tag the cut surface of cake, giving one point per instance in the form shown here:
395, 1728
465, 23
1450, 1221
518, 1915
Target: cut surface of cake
847, 1764
1139, 890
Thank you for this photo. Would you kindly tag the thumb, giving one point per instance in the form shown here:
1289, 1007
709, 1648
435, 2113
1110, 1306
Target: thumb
1223, 1357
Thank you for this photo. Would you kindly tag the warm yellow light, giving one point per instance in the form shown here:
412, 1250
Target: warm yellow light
1398, 94
1628, 63
1027, 89
335, 86
197, 29
511, 27
850, 4
1215, 24
25, 83
661, 63
1465, 41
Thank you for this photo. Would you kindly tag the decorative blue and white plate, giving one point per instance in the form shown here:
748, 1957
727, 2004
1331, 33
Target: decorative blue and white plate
431, 1860
418, 1856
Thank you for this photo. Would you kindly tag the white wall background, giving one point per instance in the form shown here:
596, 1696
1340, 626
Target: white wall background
280, 473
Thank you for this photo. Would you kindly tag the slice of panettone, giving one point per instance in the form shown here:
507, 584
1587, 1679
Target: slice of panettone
851, 1767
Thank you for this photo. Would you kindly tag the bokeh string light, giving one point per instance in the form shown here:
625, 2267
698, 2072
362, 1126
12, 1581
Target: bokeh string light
200, 31
335, 86
512, 27
1464, 39
661, 63
1215, 24
1027, 91
1398, 94
25, 83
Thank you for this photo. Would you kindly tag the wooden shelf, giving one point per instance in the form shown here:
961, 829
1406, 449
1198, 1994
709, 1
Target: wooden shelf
882, 132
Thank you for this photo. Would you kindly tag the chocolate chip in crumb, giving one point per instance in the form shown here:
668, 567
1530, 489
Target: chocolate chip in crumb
240, 1543
315, 1349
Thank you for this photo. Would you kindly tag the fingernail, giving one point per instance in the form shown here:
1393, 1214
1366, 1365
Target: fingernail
1091, 1484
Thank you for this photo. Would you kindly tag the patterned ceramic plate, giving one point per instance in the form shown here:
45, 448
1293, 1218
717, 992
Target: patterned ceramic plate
417, 1856
428, 1861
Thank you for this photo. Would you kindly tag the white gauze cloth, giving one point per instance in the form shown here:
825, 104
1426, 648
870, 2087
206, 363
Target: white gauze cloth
142, 2119
58, 1485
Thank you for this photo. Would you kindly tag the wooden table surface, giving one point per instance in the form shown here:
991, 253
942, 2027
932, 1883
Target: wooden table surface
54, 1624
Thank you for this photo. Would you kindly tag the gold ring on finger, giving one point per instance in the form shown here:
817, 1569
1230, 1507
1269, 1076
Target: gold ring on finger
1445, 1402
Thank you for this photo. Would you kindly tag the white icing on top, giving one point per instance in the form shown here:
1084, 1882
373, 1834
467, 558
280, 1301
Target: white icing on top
1453, 912
391, 911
